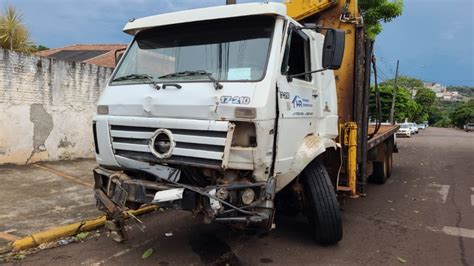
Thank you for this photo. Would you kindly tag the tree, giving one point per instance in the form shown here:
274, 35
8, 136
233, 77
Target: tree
409, 83
425, 98
36, 48
405, 106
463, 114
463, 90
13, 33
376, 11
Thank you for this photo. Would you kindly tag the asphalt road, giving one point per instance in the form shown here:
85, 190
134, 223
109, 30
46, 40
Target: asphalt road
423, 215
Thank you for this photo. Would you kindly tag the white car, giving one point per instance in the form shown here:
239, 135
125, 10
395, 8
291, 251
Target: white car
414, 128
421, 126
469, 127
405, 130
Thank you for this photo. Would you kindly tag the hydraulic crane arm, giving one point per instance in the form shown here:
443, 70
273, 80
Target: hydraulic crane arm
352, 81
300, 9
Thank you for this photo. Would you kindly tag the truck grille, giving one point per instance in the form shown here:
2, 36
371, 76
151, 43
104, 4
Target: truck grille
204, 145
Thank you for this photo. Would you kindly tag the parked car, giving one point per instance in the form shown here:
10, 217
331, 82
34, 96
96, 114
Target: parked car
469, 127
422, 126
414, 128
405, 130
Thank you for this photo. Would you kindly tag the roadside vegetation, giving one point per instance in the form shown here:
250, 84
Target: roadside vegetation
415, 103
14, 34
375, 12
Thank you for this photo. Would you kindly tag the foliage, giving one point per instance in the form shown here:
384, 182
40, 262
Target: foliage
376, 11
13, 33
443, 121
463, 90
425, 98
405, 106
36, 48
463, 114
405, 82
424, 106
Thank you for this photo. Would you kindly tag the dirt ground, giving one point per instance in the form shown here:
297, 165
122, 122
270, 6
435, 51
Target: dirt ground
423, 215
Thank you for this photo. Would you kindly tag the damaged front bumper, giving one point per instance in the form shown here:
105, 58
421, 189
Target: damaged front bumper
248, 204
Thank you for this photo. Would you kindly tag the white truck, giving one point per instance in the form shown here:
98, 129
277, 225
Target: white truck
216, 110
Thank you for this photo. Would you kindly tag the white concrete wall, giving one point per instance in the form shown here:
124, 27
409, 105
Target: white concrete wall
47, 107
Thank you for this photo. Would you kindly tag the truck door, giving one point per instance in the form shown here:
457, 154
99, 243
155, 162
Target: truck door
296, 98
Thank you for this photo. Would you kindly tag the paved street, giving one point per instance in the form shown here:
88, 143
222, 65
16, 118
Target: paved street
39, 196
423, 215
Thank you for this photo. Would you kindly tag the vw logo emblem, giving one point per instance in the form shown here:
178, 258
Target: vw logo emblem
162, 143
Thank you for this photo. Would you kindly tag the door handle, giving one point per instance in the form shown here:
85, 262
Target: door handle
172, 85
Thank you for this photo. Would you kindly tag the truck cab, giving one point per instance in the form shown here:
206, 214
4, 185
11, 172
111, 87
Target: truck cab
214, 111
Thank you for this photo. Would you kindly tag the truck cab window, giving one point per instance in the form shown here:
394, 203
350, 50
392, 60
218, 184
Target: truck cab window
231, 49
299, 58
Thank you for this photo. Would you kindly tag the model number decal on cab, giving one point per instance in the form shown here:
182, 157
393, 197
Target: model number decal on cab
284, 95
235, 99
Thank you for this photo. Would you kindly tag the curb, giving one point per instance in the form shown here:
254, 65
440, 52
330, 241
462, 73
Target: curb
41, 237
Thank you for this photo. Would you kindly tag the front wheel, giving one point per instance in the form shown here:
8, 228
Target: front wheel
322, 208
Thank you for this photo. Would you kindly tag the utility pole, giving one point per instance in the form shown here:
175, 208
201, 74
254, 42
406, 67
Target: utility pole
394, 95
230, 2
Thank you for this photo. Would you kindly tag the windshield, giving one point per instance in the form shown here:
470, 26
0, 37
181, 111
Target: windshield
404, 126
227, 50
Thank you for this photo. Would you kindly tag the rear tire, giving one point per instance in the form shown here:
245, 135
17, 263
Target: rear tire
322, 208
382, 165
380, 173
389, 156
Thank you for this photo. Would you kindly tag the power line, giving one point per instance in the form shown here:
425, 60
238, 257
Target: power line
386, 66
392, 110
381, 73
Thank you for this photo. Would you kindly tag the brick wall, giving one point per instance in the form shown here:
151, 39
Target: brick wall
47, 107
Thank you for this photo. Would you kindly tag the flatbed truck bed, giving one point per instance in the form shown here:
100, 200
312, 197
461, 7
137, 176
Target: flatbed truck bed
385, 132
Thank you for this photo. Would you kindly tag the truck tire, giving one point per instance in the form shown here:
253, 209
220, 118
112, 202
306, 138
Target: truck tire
382, 167
380, 173
389, 156
389, 164
322, 209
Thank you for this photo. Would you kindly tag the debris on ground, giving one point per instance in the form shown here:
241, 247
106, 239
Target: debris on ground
65, 241
147, 253
81, 236
402, 260
20, 255
12, 257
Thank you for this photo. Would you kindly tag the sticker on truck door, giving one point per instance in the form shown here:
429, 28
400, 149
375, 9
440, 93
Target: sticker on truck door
235, 100
299, 102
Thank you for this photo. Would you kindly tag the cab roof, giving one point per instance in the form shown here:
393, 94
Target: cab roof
219, 12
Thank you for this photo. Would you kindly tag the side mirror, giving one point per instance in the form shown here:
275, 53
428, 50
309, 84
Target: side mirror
333, 50
118, 54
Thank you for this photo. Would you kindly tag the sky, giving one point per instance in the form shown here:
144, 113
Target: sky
433, 39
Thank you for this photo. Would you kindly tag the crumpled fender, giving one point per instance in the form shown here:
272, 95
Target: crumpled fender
312, 147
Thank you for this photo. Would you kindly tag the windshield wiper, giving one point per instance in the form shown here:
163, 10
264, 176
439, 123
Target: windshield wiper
139, 76
217, 85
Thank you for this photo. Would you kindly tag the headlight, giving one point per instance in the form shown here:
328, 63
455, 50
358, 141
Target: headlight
248, 196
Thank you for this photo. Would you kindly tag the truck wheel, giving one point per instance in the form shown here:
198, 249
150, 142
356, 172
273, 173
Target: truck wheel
380, 173
389, 164
321, 204
389, 156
